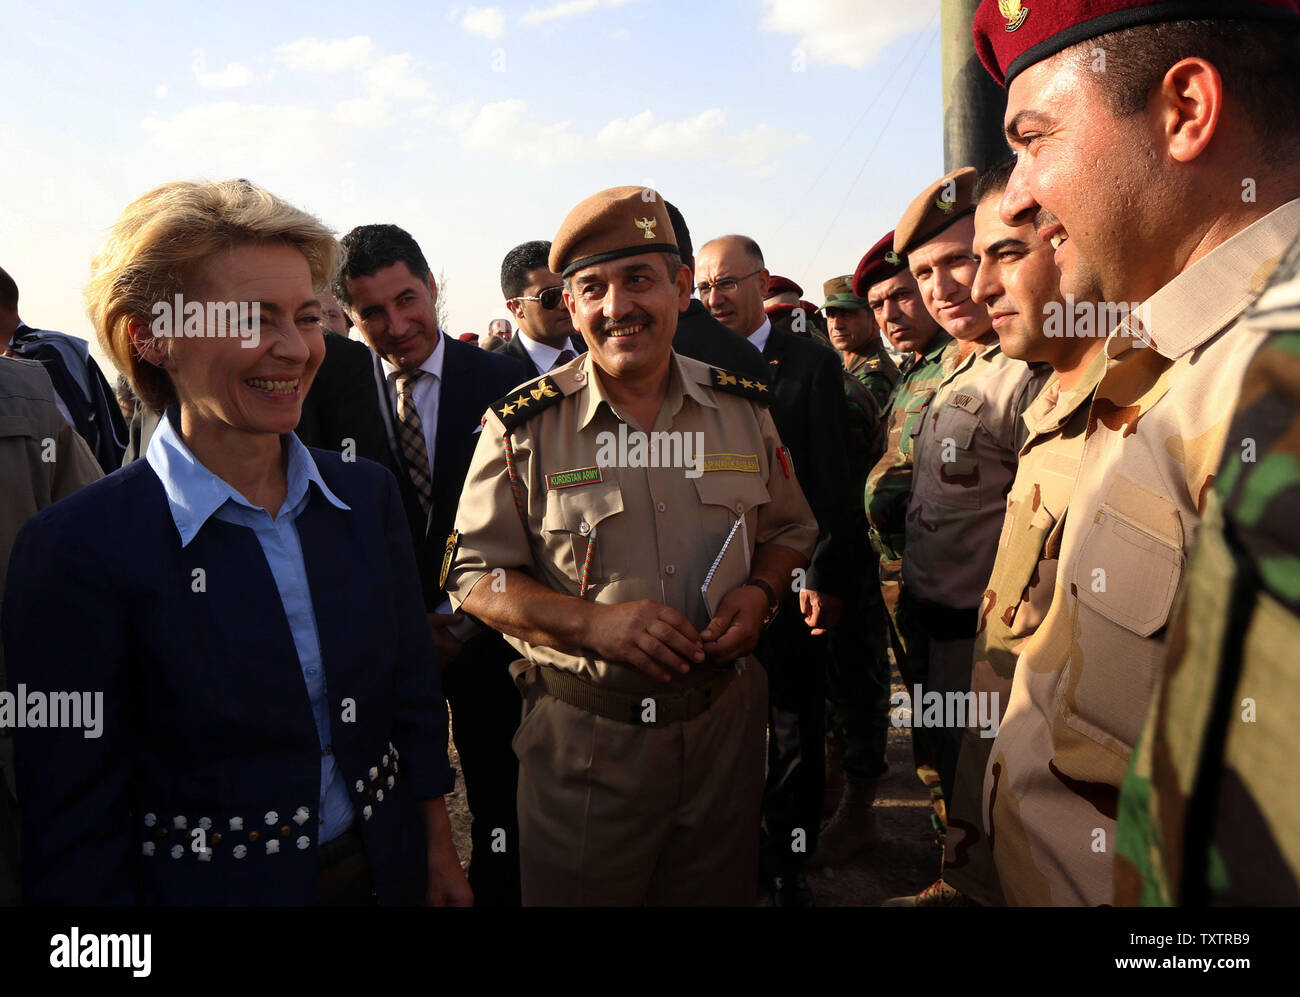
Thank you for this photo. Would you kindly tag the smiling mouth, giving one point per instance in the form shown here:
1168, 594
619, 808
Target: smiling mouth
623, 333
273, 387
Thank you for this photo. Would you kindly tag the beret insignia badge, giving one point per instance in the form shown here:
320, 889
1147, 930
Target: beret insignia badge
1014, 13
647, 225
893, 259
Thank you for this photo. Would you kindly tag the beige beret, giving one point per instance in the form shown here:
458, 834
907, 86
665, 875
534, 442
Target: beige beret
938, 206
621, 221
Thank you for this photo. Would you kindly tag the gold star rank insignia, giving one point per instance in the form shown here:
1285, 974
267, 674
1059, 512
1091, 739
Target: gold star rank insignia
507, 409
522, 401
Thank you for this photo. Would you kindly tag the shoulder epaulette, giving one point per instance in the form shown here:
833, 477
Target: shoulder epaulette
740, 384
527, 400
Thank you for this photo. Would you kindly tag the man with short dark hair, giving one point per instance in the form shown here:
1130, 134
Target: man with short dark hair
535, 297
810, 411
630, 586
432, 392
854, 334
965, 459
1177, 199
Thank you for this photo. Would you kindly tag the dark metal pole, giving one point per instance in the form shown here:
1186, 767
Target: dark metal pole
972, 103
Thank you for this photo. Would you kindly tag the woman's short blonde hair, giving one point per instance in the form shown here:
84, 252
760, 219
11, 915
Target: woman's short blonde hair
160, 238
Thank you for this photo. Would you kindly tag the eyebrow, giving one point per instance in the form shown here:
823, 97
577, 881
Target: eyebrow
1023, 118
1009, 243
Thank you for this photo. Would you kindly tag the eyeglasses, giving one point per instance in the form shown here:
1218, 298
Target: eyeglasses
724, 285
550, 299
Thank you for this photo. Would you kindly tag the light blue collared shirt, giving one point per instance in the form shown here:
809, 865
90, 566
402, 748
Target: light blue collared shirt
194, 493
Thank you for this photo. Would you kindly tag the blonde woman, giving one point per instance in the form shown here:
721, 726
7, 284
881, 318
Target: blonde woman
259, 737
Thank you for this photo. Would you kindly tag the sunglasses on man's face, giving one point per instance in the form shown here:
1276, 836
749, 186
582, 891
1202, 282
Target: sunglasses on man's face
550, 299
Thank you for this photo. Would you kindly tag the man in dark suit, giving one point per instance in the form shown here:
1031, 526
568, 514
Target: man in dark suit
811, 414
433, 391
535, 297
342, 410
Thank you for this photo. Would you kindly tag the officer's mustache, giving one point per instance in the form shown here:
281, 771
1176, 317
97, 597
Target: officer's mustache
632, 318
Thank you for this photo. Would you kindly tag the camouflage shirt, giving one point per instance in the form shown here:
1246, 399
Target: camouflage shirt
1084, 681
1211, 788
965, 451
890, 482
878, 372
1015, 602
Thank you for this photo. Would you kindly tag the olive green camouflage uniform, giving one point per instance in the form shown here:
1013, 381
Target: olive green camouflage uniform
878, 372
1208, 810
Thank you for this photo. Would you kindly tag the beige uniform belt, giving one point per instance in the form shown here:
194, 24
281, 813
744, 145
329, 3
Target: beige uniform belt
634, 707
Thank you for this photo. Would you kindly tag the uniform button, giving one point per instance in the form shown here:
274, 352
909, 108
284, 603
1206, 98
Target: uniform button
580, 376
240, 851
670, 569
740, 507
661, 507
584, 528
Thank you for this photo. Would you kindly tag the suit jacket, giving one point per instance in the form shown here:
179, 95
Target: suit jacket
702, 337
515, 349
811, 413
205, 721
341, 404
472, 379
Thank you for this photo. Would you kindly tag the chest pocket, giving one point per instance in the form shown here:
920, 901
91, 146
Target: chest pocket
572, 516
725, 496
953, 459
1026, 550
1127, 570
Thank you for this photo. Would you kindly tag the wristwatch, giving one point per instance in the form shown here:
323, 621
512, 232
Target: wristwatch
772, 601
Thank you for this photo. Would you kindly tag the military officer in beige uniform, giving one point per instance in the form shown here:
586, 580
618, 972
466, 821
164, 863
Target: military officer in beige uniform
599, 501
964, 448
1176, 134
1019, 284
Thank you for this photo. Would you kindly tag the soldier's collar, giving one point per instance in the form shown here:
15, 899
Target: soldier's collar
1214, 291
681, 383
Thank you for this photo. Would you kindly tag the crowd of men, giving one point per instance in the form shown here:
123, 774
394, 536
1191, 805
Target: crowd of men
1066, 515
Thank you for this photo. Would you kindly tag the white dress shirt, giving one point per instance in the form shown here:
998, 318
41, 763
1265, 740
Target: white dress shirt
759, 336
425, 393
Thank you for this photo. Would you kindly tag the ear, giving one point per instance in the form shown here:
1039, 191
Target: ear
515, 308
1187, 107
150, 347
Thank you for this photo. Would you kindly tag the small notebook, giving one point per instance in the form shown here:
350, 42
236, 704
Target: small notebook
730, 569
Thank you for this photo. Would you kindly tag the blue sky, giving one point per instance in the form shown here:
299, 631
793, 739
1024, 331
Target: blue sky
807, 124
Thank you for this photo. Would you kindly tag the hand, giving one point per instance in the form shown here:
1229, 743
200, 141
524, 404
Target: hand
447, 646
820, 611
447, 885
647, 635
734, 632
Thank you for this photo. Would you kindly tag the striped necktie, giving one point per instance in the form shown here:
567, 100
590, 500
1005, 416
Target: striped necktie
410, 430
564, 357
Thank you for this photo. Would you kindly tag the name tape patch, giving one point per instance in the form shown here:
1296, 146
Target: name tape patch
571, 479
730, 462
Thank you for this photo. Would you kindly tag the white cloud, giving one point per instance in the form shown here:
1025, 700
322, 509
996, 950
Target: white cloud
327, 56
570, 8
837, 32
393, 77
486, 21
160, 90
506, 127
236, 74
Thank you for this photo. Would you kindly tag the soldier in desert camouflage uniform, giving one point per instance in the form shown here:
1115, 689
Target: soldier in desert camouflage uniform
1019, 283
1208, 812
1182, 238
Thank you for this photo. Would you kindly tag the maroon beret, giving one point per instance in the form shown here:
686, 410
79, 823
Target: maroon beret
468, 337
782, 285
809, 307
1012, 35
880, 263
